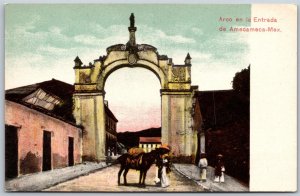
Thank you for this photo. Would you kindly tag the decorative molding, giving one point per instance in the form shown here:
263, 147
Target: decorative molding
88, 94
178, 74
84, 77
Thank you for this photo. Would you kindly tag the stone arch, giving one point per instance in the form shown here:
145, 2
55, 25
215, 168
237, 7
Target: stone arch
110, 68
177, 96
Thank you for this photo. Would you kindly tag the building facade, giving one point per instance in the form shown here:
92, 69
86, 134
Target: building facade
111, 131
37, 142
149, 143
40, 131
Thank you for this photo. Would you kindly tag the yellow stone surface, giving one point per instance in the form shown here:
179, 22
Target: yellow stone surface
176, 98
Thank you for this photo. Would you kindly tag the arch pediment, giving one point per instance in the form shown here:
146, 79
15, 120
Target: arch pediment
143, 52
123, 47
93, 76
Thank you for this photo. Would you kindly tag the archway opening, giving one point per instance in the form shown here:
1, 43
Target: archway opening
133, 96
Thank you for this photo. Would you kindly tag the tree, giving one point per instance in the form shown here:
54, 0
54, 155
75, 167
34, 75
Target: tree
241, 82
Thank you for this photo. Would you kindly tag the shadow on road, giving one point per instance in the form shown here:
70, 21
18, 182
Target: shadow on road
138, 185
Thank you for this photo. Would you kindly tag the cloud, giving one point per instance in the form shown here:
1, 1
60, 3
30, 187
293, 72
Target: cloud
30, 69
197, 31
27, 39
24, 69
178, 56
86, 39
35, 48
90, 40
52, 50
115, 34
104, 31
212, 74
55, 30
231, 37
24, 60
174, 38
30, 25
155, 35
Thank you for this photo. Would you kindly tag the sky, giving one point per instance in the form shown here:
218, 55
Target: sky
41, 42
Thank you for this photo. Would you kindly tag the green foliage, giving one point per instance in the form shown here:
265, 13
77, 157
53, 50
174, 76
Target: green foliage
241, 82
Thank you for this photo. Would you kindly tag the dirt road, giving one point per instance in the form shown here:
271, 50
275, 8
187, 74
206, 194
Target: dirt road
105, 180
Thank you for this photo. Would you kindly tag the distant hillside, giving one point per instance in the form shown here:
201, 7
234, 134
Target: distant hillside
131, 139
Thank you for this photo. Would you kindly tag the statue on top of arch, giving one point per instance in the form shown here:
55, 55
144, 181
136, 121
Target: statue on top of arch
131, 18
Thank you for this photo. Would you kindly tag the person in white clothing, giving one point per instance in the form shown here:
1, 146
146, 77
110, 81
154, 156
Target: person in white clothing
165, 182
203, 167
219, 169
222, 178
162, 166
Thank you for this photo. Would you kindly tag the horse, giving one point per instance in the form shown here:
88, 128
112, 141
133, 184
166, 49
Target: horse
141, 162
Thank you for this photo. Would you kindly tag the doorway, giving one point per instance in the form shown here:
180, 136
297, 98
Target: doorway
46, 151
71, 151
11, 151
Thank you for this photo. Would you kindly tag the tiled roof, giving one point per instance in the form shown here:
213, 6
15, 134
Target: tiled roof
150, 140
53, 87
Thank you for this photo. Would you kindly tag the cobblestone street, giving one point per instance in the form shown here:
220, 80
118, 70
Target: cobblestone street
105, 180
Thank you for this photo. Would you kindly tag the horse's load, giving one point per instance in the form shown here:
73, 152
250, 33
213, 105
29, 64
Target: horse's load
135, 151
164, 149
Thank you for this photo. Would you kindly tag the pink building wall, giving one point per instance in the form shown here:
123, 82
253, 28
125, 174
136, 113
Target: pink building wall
31, 125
